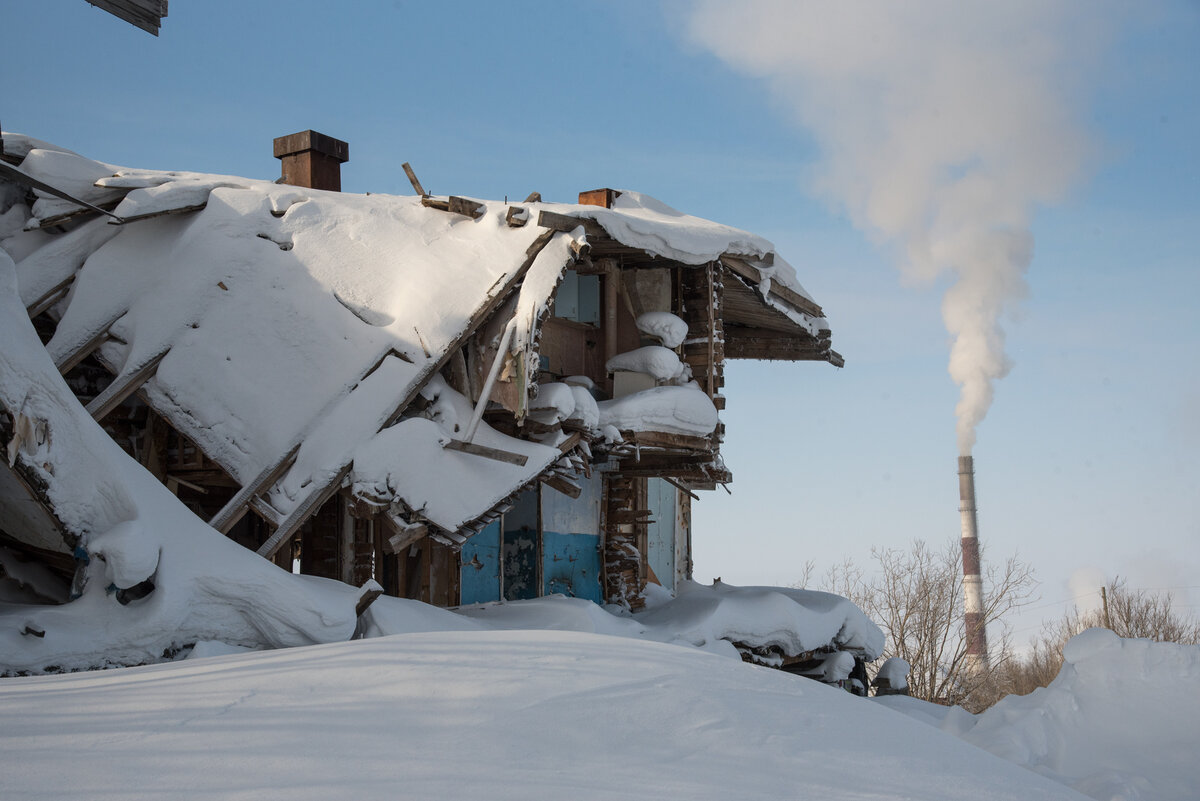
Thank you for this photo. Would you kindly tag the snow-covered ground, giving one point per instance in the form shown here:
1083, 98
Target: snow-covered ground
477, 714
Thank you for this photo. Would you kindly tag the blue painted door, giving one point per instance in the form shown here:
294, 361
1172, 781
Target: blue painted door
571, 565
661, 533
481, 566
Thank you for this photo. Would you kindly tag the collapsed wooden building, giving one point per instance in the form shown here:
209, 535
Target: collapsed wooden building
463, 400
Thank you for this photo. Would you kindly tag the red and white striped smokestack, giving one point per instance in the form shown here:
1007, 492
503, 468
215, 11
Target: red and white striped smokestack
977, 655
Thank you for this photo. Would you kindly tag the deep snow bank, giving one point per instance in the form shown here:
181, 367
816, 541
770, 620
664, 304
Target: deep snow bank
1121, 722
496, 715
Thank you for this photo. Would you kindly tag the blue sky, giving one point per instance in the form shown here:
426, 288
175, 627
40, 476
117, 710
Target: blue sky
1086, 463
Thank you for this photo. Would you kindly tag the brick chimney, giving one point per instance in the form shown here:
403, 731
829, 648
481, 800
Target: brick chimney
312, 159
599, 197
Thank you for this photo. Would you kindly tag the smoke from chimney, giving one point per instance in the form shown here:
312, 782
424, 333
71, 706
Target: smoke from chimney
942, 125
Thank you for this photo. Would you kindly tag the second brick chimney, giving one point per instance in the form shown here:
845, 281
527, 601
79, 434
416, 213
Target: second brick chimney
312, 159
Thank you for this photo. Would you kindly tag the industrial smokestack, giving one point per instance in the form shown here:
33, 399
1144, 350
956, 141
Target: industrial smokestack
977, 656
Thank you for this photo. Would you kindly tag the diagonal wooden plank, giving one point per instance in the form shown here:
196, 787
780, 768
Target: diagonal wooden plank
51, 297
233, 510
19, 176
87, 343
291, 524
124, 385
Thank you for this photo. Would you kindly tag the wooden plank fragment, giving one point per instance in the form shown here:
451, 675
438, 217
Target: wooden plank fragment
563, 485
366, 599
486, 452
465, 207
412, 179
160, 213
567, 224
123, 386
401, 537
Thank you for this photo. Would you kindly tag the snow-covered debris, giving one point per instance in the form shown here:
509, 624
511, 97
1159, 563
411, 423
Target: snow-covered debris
678, 410
1119, 723
661, 364
134, 530
790, 621
554, 403
586, 412
670, 330
408, 462
893, 674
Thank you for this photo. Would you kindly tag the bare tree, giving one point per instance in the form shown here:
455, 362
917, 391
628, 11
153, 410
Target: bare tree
915, 596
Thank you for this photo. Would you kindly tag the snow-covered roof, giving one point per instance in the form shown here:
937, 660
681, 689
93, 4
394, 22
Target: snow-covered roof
276, 324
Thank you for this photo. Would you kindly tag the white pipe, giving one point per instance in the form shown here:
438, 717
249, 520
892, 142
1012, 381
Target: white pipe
482, 403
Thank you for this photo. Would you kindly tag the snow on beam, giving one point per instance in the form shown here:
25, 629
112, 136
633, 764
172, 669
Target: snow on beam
123, 386
232, 512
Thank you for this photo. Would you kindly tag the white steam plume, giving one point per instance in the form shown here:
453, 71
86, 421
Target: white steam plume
943, 124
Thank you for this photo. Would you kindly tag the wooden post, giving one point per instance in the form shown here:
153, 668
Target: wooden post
1104, 598
612, 277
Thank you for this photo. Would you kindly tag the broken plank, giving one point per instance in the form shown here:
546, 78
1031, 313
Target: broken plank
465, 207
225, 519
517, 216
402, 537
435, 203
563, 485
160, 213
486, 452
123, 386
28, 180
570, 442
366, 599
567, 224
291, 524
412, 179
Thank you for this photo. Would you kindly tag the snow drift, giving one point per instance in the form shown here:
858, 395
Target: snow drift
1119, 723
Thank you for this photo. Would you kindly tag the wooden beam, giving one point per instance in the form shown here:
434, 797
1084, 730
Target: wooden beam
233, 510
160, 213
123, 386
412, 179
570, 442
291, 524
563, 485
567, 224
400, 537
465, 207
366, 599
486, 452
